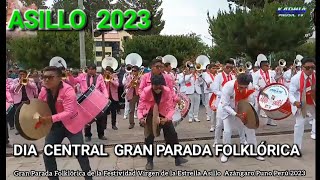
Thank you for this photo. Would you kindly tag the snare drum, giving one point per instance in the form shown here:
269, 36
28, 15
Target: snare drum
274, 100
9, 108
92, 104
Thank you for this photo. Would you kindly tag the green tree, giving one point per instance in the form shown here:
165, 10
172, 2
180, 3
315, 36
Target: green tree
259, 30
41, 4
37, 51
253, 3
151, 46
153, 6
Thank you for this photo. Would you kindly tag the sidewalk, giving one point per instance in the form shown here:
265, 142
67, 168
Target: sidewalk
306, 162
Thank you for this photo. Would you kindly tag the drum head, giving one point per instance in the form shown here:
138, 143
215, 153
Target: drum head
252, 118
186, 105
273, 96
25, 123
86, 94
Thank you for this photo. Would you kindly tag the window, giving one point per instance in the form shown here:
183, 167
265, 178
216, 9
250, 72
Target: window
99, 53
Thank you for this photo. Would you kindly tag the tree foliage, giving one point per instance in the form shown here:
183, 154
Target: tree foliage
153, 6
259, 30
181, 46
254, 3
36, 52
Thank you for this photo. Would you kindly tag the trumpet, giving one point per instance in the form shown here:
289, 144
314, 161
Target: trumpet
108, 78
282, 63
189, 64
64, 76
133, 83
23, 82
296, 62
128, 68
240, 70
248, 65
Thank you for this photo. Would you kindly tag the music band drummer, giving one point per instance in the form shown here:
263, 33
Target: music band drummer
300, 95
157, 98
85, 81
261, 79
232, 92
62, 101
112, 86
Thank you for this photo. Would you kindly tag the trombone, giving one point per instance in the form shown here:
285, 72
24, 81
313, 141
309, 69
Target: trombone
23, 82
134, 82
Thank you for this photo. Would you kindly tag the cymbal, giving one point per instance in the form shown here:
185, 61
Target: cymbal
252, 118
25, 120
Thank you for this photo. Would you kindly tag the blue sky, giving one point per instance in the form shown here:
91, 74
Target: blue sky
186, 16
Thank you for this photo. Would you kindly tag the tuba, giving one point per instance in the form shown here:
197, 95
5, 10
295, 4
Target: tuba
111, 62
59, 62
201, 62
297, 61
170, 59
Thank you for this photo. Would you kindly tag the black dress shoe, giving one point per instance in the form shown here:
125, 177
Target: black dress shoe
103, 138
114, 128
131, 126
180, 160
88, 139
149, 165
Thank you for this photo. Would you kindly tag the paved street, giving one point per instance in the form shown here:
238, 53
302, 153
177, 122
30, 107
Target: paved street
306, 162
185, 130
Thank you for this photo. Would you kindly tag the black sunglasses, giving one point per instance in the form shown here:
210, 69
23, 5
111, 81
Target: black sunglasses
47, 77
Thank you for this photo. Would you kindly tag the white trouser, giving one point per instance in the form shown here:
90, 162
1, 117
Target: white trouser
258, 109
232, 122
206, 103
202, 95
194, 107
126, 107
299, 126
221, 123
213, 119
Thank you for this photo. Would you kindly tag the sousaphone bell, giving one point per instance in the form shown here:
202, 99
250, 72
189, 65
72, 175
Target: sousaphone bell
170, 59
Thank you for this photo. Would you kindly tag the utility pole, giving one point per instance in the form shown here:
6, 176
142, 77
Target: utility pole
82, 41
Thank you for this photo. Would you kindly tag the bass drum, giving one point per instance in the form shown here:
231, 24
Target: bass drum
181, 110
274, 101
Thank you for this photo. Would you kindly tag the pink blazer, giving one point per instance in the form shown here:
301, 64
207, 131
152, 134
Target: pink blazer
147, 101
31, 89
8, 96
129, 95
66, 106
113, 86
82, 80
146, 81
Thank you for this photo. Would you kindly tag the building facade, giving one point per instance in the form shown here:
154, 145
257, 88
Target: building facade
113, 45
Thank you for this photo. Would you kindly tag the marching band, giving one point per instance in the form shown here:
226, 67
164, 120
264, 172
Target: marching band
163, 97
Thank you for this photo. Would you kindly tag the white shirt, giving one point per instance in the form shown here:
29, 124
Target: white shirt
259, 82
217, 85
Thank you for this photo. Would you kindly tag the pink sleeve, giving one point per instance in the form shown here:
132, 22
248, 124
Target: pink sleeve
13, 86
69, 106
42, 94
74, 80
141, 105
102, 86
32, 85
143, 83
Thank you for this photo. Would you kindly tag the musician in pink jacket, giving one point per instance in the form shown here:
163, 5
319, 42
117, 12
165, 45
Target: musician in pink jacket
22, 93
85, 81
112, 87
158, 96
62, 101
132, 94
9, 100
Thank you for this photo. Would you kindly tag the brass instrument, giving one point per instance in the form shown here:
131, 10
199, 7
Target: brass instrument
198, 67
282, 63
170, 59
64, 76
134, 82
128, 68
248, 65
23, 82
188, 64
111, 62
108, 78
240, 70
